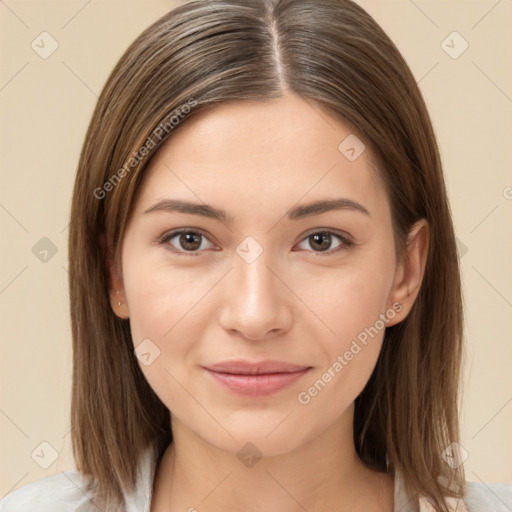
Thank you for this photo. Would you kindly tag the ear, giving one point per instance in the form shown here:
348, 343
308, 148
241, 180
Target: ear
115, 284
409, 272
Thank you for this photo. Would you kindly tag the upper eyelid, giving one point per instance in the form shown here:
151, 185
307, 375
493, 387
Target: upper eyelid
171, 234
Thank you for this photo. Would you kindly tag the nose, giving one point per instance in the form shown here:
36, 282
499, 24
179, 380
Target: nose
256, 301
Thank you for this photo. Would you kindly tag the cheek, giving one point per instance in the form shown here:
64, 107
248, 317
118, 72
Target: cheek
353, 306
167, 309
348, 356
161, 299
164, 323
350, 299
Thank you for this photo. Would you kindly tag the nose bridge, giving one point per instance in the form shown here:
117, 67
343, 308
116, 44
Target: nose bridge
252, 262
255, 283
255, 278
255, 302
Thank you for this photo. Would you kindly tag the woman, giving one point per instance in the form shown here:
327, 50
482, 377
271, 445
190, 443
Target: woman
265, 294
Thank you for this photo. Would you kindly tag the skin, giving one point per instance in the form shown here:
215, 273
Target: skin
293, 303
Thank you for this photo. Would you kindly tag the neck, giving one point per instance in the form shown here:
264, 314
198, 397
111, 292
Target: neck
323, 474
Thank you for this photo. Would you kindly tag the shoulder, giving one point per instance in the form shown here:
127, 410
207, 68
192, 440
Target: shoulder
64, 492
481, 497
71, 491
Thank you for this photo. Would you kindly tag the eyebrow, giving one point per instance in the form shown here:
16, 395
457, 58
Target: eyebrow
296, 213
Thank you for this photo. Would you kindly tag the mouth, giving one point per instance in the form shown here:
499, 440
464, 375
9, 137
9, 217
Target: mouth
258, 379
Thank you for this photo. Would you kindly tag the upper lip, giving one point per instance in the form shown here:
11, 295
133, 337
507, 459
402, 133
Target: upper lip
258, 368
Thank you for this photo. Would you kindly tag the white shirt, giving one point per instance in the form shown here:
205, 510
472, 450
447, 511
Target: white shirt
66, 492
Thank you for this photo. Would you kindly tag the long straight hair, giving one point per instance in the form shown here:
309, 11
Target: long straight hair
204, 53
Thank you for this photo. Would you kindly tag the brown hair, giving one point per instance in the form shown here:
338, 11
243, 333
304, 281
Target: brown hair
333, 54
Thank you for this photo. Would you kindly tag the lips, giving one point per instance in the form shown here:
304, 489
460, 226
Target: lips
257, 379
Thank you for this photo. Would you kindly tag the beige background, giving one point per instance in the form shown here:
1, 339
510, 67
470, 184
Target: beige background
46, 105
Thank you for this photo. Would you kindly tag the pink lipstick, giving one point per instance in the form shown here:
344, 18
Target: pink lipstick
258, 379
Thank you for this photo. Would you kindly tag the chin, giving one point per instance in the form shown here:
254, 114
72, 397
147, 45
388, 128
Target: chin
248, 445
252, 437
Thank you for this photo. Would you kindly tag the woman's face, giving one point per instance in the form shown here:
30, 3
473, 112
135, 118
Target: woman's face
254, 280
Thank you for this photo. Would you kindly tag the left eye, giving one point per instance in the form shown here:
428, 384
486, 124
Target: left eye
321, 241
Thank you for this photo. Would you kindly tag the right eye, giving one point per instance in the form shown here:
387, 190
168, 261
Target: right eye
185, 242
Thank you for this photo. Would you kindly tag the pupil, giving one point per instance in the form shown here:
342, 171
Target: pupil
323, 239
190, 241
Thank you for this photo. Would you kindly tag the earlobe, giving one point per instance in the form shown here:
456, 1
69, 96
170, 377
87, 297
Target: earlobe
117, 296
410, 271
115, 287
120, 307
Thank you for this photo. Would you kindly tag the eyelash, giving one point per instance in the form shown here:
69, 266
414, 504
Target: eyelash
346, 241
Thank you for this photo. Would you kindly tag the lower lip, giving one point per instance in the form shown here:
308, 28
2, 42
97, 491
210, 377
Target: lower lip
256, 385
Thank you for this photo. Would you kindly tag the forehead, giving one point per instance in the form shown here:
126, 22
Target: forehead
250, 154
